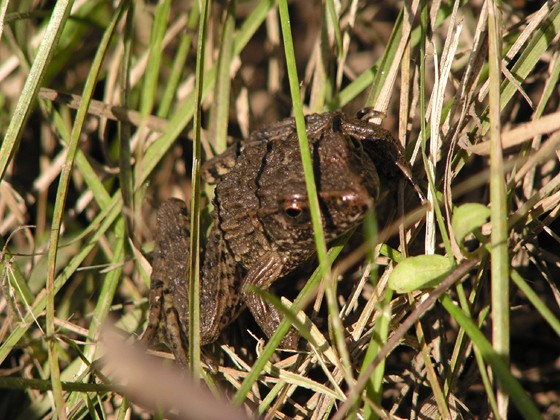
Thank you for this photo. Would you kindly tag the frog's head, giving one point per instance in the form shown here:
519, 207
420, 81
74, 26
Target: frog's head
347, 186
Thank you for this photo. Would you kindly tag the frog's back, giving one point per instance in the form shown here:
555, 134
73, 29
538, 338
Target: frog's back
236, 204
267, 168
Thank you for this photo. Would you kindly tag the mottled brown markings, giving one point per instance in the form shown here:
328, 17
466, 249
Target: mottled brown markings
257, 237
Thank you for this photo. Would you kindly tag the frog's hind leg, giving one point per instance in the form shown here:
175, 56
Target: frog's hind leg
163, 323
169, 281
175, 336
153, 335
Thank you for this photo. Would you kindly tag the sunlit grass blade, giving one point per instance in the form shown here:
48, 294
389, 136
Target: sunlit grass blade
179, 62
194, 278
311, 187
30, 90
219, 111
498, 204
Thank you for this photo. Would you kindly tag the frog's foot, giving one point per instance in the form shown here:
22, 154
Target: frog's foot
163, 328
153, 335
163, 323
269, 318
176, 337
291, 340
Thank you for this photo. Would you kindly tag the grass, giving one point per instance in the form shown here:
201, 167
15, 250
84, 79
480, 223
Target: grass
79, 192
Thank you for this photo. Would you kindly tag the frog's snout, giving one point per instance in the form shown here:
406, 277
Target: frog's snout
344, 209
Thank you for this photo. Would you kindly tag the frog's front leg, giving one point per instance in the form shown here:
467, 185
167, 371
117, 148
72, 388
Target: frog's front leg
169, 312
263, 274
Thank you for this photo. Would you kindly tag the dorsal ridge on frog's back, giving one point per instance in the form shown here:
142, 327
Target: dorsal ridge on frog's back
236, 203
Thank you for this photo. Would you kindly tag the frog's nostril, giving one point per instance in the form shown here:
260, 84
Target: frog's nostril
358, 202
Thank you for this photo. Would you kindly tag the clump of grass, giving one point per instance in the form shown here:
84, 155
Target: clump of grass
470, 90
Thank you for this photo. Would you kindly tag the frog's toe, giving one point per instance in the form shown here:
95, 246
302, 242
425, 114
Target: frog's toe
290, 340
153, 335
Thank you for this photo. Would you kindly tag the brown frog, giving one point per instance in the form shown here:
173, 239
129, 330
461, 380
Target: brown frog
262, 226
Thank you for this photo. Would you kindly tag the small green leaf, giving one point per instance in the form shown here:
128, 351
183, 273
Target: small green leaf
468, 218
419, 272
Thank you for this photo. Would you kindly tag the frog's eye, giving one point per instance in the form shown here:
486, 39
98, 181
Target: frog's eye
295, 209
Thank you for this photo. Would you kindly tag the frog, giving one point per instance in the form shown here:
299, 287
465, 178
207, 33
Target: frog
262, 230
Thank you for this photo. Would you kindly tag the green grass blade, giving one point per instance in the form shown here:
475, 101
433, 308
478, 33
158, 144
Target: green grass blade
303, 141
33, 81
311, 186
194, 278
154, 57
498, 203
219, 112
500, 368
539, 305
335, 25
177, 68
273, 342
375, 385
